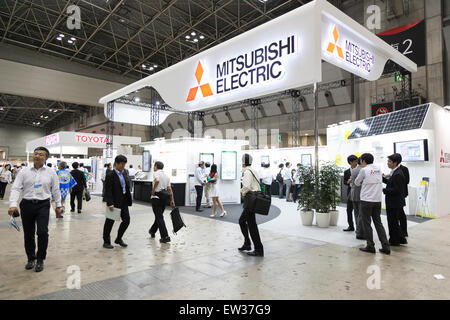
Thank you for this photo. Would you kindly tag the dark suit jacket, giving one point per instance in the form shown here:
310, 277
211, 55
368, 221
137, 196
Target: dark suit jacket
406, 174
113, 189
347, 174
80, 179
395, 190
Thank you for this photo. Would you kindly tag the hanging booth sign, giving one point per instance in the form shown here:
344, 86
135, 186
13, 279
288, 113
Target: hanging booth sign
279, 55
408, 40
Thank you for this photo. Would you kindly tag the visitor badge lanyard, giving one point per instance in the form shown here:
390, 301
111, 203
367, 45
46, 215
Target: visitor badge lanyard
38, 189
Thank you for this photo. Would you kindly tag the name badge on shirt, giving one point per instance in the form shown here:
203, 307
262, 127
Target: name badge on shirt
38, 189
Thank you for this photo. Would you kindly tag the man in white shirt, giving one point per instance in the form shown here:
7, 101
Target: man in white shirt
370, 179
36, 184
161, 187
267, 178
247, 221
288, 180
132, 175
199, 183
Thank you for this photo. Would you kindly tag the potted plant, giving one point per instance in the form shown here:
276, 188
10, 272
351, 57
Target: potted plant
306, 201
332, 175
324, 195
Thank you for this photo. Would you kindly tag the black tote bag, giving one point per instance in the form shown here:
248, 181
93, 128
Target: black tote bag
177, 221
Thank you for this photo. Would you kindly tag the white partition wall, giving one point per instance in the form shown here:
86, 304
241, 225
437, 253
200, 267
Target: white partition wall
434, 128
181, 158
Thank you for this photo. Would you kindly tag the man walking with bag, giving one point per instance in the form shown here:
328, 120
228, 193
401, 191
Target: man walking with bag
247, 221
161, 193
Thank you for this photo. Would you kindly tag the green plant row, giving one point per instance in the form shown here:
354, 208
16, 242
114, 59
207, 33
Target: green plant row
320, 189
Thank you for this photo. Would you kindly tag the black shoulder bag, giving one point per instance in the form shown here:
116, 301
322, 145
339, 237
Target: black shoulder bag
257, 201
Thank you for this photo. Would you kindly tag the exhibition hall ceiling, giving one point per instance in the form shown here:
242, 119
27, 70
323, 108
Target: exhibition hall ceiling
133, 38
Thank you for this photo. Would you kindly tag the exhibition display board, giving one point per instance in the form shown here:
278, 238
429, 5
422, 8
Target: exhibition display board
181, 157
420, 134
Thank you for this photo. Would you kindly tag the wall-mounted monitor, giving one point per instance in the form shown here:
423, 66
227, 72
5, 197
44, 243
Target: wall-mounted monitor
229, 165
412, 151
207, 157
306, 159
146, 161
265, 160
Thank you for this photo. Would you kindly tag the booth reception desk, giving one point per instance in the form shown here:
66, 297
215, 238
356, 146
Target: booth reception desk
143, 190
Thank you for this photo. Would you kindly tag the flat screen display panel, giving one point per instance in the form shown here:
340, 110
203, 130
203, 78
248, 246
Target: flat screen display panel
412, 151
265, 160
146, 161
229, 165
306, 159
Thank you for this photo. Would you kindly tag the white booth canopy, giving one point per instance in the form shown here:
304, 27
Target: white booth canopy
281, 54
78, 142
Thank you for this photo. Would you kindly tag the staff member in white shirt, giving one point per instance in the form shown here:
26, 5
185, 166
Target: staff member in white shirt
131, 174
370, 179
161, 182
36, 185
267, 178
288, 180
247, 221
5, 178
199, 183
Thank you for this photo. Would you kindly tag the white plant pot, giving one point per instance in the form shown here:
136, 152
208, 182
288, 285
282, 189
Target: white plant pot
307, 217
323, 219
334, 217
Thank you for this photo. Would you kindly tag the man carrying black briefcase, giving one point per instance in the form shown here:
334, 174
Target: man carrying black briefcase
247, 221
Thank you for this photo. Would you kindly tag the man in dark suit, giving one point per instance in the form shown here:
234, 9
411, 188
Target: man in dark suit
403, 220
117, 195
353, 162
77, 190
395, 199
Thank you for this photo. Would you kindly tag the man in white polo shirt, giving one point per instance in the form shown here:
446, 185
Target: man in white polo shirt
370, 179
36, 184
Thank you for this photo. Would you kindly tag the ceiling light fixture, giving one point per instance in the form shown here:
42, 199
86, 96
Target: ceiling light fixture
59, 38
151, 68
144, 66
61, 35
73, 39
193, 33
188, 37
69, 41
137, 99
195, 40
202, 37
155, 66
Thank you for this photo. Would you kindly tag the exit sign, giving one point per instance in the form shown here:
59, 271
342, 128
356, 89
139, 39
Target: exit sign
398, 77
280, 138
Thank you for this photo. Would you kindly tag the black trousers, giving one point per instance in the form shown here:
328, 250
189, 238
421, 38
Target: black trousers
158, 207
76, 194
350, 213
393, 216
297, 189
125, 216
268, 189
198, 201
2, 189
403, 223
35, 214
247, 222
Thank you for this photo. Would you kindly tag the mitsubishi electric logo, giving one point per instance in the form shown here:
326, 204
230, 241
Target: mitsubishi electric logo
332, 46
250, 68
205, 88
353, 54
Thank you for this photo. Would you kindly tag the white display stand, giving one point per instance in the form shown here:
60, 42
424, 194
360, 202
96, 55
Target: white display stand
435, 129
181, 158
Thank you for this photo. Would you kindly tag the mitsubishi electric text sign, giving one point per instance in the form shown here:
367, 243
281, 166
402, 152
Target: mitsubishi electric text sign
282, 54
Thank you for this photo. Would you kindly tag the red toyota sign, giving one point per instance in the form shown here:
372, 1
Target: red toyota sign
91, 139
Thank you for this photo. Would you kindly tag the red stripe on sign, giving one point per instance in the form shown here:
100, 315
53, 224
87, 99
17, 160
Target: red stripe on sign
399, 29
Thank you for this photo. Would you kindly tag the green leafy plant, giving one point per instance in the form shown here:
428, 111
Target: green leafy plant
327, 191
307, 197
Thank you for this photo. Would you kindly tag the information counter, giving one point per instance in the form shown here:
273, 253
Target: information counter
143, 191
